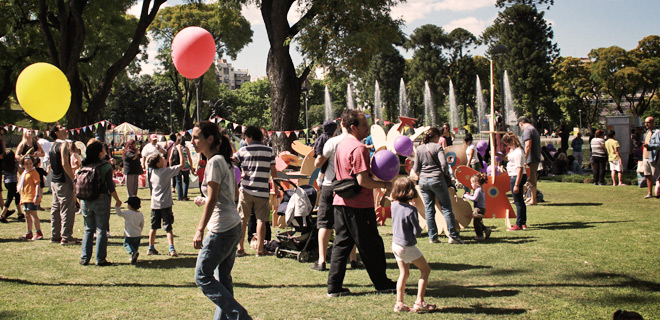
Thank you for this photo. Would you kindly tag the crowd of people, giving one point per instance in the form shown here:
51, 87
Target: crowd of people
90, 183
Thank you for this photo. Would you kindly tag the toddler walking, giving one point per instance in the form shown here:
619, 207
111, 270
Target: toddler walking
405, 228
133, 225
479, 199
29, 186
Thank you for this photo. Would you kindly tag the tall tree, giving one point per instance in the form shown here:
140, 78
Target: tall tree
387, 69
463, 71
230, 30
339, 35
578, 94
429, 63
92, 42
609, 68
504, 3
527, 35
646, 58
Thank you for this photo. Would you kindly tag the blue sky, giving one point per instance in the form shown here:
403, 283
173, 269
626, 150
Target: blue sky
579, 25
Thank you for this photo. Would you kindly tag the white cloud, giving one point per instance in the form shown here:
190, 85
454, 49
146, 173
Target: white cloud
418, 9
151, 65
472, 24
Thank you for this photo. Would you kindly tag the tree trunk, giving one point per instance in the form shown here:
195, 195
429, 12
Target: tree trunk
284, 84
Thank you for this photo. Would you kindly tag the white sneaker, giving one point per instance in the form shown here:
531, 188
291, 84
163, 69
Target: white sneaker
455, 241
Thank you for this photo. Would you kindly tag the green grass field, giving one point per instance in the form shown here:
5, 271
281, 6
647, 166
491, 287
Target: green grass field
588, 252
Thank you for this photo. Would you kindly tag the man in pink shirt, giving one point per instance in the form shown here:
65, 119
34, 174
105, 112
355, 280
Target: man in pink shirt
355, 218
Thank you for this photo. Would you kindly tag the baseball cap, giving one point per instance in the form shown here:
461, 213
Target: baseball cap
153, 137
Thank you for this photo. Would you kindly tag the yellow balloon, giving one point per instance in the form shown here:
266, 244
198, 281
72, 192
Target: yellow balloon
44, 92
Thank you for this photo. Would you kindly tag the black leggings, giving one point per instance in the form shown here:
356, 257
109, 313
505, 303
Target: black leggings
12, 194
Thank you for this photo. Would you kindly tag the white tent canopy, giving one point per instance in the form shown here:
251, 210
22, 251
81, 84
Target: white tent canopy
126, 128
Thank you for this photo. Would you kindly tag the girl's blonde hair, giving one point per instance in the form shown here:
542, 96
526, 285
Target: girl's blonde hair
512, 140
404, 190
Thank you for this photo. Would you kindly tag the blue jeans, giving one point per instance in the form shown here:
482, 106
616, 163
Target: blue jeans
213, 273
182, 188
131, 244
521, 208
432, 189
97, 218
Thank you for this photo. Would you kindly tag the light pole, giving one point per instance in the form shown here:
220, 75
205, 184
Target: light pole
580, 111
305, 91
171, 120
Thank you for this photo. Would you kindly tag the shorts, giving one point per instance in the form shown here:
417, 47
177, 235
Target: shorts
326, 215
533, 173
647, 167
29, 206
248, 202
164, 214
406, 254
615, 165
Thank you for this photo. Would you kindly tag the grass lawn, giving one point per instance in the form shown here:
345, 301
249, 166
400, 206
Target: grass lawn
588, 252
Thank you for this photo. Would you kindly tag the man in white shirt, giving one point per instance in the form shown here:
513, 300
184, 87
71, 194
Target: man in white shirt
151, 148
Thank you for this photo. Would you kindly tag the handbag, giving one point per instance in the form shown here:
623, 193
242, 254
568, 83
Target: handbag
346, 188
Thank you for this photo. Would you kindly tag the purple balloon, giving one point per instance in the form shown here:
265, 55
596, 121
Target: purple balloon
481, 147
385, 165
489, 170
484, 165
237, 172
403, 146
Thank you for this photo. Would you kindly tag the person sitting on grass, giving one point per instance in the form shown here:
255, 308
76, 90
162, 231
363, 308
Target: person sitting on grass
479, 199
161, 199
133, 225
405, 228
30, 198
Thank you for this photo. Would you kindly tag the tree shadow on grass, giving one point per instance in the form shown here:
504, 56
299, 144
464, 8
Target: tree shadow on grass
574, 204
442, 266
128, 285
573, 225
444, 290
172, 263
623, 280
479, 309
16, 239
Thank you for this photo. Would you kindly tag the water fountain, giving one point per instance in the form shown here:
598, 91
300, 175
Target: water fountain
481, 108
454, 118
328, 105
510, 117
404, 108
378, 104
429, 110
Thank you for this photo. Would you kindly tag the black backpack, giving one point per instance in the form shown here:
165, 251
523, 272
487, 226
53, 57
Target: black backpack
89, 179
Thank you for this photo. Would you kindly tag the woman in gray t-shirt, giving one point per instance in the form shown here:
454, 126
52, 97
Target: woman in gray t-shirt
218, 248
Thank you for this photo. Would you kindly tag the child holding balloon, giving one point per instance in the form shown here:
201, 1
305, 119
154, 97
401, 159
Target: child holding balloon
405, 228
479, 199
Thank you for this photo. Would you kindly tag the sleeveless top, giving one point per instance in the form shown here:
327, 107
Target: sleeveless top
55, 155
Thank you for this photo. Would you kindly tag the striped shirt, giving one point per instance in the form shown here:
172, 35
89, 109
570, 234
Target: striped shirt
255, 161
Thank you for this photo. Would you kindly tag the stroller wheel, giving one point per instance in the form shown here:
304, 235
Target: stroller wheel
303, 256
279, 253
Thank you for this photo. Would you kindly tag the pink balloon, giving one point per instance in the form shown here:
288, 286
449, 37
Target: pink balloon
403, 145
385, 165
193, 51
237, 172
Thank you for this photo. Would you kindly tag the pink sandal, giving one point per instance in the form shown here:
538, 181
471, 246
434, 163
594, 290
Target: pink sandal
401, 308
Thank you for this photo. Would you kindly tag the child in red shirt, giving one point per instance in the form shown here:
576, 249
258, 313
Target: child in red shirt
29, 186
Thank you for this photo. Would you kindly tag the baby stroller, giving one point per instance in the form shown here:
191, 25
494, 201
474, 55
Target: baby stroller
302, 241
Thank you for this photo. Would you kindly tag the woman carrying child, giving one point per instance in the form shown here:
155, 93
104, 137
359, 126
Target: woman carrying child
479, 199
31, 193
218, 248
405, 228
